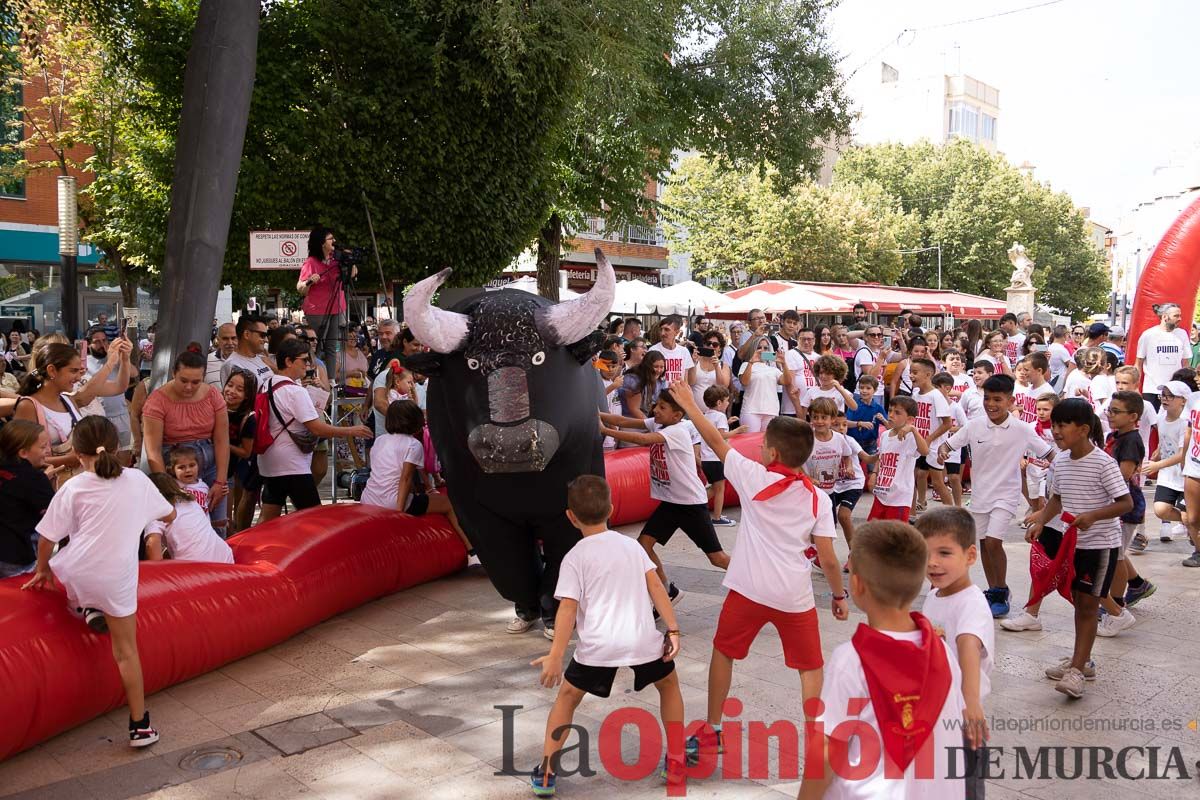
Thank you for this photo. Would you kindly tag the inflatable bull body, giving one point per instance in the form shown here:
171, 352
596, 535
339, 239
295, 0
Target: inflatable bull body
512, 412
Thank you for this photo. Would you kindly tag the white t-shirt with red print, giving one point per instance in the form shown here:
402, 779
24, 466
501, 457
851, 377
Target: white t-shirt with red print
678, 361
894, 476
673, 475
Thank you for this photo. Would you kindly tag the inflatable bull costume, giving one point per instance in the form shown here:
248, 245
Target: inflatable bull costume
512, 412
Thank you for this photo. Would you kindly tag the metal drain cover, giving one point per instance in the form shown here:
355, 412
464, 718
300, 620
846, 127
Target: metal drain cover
207, 759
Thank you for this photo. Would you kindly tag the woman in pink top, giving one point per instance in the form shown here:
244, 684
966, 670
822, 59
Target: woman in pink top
324, 297
186, 410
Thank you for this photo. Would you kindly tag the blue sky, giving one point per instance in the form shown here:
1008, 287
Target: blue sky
1095, 93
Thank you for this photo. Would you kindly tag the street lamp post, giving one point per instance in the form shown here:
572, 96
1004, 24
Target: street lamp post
68, 252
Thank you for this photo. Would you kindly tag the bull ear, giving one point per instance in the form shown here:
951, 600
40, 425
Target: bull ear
429, 364
585, 349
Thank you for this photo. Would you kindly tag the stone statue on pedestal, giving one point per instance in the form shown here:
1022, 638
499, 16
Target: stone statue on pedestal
1022, 277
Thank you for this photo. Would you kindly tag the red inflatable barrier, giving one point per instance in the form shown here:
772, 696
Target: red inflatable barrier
1172, 274
289, 574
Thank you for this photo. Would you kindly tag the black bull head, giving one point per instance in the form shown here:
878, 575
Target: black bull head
511, 373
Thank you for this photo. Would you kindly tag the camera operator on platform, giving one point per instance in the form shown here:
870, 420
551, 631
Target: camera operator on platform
324, 297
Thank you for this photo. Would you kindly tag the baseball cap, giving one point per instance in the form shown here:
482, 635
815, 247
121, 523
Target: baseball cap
1176, 389
1097, 329
1116, 331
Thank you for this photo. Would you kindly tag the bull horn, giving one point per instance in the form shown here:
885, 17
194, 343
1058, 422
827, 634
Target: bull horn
569, 322
440, 330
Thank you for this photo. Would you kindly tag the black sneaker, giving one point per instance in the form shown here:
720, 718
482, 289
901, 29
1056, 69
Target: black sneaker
95, 620
673, 594
141, 734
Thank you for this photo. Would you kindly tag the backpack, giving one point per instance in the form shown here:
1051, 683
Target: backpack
264, 404
851, 382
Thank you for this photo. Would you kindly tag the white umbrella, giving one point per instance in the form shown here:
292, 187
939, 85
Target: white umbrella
636, 297
529, 284
695, 297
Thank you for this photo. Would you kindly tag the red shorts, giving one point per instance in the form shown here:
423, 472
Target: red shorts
881, 511
742, 618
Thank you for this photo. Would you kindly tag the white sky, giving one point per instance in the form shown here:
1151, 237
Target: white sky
1095, 93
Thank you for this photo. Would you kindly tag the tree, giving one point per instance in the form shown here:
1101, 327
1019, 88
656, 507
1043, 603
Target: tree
975, 204
735, 223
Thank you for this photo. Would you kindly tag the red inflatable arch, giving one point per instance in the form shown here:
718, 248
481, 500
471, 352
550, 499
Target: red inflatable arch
289, 574
1172, 274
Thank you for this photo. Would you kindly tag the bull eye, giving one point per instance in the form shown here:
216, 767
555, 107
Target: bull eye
539, 358
472, 363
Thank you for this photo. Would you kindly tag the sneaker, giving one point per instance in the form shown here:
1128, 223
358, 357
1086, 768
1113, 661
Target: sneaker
1110, 626
1139, 544
1193, 560
473, 561
1056, 672
519, 625
95, 620
548, 632
712, 738
1134, 594
1179, 529
541, 782
723, 522
1071, 683
1164, 533
998, 600
141, 734
1024, 622
673, 594
846, 568
674, 771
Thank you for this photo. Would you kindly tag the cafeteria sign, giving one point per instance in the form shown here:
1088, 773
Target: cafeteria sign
278, 249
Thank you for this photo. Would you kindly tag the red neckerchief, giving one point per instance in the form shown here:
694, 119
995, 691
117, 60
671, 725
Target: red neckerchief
789, 478
908, 684
1053, 574
1041, 428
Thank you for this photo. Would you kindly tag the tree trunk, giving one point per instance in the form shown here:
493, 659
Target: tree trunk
217, 87
549, 251
125, 279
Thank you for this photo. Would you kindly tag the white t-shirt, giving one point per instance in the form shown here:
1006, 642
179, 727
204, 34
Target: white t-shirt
1012, 348
965, 612
678, 361
845, 687
932, 408
825, 464
962, 382
1078, 384
1025, 400
1059, 357
768, 564
1088, 484
1037, 469
959, 420
1191, 462
760, 391
198, 490
894, 476
606, 574
803, 377
832, 393
190, 536
1164, 353
105, 520
704, 379
865, 357
996, 452
255, 366
721, 423
296, 407
972, 402
382, 381
1171, 436
855, 479
673, 477
389, 454
987, 356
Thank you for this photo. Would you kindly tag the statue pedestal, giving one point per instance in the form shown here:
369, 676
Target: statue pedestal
1020, 300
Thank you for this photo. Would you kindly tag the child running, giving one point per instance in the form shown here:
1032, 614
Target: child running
783, 515
1168, 459
894, 678
932, 422
606, 590
1088, 484
952, 466
716, 399
190, 535
849, 486
831, 371
898, 451
863, 422
104, 510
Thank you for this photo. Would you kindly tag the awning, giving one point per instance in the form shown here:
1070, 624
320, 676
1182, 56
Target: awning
20, 246
839, 298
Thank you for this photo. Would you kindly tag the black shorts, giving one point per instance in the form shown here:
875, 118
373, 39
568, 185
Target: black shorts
1138, 515
1094, 570
300, 489
418, 504
953, 468
1050, 540
848, 498
1164, 494
695, 521
599, 680
923, 463
713, 471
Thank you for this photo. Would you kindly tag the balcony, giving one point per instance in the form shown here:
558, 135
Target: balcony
594, 228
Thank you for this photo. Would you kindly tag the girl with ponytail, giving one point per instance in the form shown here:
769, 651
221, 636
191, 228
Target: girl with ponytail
25, 493
104, 510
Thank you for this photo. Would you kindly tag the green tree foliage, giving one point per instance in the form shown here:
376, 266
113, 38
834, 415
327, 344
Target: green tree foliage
976, 205
744, 222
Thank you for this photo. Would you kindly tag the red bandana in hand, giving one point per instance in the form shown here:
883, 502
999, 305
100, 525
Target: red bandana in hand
908, 684
789, 478
1050, 575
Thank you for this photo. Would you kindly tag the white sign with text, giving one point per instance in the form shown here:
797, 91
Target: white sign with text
278, 249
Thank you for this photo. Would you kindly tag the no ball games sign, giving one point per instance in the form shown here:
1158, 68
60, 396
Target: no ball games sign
278, 249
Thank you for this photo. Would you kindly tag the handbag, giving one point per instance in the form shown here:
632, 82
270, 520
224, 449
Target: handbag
305, 441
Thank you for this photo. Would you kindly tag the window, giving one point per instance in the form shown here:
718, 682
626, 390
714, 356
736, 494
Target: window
988, 129
964, 121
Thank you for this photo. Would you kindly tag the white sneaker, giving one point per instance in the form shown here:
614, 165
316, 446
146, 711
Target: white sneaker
1057, 672
1025, 622
519, 625
1071, 683
1111, 626
473, 561
1180, 530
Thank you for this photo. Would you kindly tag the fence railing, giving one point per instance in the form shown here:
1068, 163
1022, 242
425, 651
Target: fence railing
594, 228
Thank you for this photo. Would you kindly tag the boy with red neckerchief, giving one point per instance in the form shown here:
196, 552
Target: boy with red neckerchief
783, 515
894, 678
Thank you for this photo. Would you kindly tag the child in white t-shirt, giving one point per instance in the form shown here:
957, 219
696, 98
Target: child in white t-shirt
783, 516
607, 590
674, 482
932, 421
952, 465
1167, 461
1036, 367
184, 465
716, 400
849, 486
188, 537
959, 608
899, 448
104, 510
831, 371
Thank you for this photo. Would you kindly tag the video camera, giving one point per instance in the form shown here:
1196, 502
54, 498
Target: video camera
347, 258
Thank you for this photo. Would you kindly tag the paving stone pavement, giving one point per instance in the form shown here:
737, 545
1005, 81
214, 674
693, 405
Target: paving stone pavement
412, 696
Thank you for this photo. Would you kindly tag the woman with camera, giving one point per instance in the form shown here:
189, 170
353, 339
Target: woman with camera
710, 369
761, 376
321, 287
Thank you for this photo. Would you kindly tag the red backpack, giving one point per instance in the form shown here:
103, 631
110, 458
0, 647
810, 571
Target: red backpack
264, 404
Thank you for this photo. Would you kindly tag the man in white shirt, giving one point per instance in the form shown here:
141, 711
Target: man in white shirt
251, 344
1014, 338
116, 409
680, 365
1161, 350
800, 360
227, 341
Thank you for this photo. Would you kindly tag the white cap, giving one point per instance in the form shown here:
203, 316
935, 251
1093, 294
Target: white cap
1177, 389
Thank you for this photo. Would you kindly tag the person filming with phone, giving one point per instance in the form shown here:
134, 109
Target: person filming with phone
116, 408
324, 294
